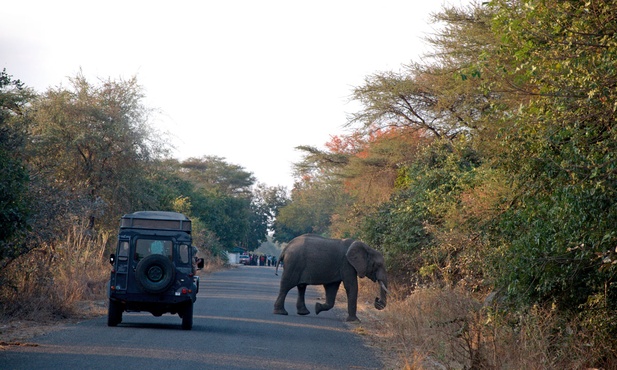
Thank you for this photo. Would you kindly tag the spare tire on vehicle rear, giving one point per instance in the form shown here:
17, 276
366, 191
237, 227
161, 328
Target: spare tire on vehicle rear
155, 273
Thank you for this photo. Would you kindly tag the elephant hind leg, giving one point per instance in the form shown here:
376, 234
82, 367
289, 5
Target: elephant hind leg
279, 304
300, 305
331, 290
280, 311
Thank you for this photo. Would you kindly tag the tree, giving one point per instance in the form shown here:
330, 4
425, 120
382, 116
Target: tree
214, 174
510, 183
266, 204
425, 98
560, 154
221, 199
14, 197
93, 142
310, 210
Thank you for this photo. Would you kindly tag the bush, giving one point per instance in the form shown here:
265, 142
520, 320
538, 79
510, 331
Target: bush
449, 328
50, 280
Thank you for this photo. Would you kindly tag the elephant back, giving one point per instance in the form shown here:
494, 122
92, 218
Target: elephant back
312, 259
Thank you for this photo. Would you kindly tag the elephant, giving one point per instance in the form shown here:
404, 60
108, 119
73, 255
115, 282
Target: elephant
311, 259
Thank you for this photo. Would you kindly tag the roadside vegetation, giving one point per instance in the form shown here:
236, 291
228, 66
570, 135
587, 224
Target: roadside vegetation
485, 173
73, 161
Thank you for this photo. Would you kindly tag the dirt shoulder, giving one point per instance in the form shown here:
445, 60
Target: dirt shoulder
375, 334
17, 332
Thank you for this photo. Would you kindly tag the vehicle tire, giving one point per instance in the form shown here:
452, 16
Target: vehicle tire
187, 316
114, 313
155, 273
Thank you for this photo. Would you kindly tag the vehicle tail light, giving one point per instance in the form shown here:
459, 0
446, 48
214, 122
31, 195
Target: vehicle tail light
182, 291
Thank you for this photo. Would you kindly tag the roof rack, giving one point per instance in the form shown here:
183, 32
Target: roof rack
159, 220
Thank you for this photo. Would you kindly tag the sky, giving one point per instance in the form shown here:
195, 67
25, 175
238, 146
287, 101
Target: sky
244, 80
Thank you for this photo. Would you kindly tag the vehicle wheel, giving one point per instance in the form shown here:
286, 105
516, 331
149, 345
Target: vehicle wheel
155, 273
114, 313
187, 316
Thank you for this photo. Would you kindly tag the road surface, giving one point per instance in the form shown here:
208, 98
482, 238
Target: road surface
233, 328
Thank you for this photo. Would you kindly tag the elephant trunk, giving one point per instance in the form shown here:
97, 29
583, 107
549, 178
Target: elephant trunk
382, 300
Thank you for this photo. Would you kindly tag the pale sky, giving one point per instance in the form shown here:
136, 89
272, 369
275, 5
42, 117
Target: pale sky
245, 80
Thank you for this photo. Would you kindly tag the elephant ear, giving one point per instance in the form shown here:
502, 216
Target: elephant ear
357, 255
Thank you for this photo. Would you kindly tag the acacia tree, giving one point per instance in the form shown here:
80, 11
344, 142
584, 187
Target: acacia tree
318, 196
92, 143
216, 175
310, 210
222, 200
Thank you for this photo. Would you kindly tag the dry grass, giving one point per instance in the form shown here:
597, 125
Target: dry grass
211, 263
449, 329
48, 282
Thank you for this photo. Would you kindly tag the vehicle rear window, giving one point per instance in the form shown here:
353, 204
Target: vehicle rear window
146, 247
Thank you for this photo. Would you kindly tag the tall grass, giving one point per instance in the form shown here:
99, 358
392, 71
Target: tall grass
445, 328
212, 262
48, 281
51, 280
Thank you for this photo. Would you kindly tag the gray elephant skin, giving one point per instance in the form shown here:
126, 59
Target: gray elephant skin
314, 260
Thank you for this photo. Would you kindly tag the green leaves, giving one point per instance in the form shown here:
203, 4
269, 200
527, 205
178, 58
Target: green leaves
509, 182
559, 150
94, 143
14, 199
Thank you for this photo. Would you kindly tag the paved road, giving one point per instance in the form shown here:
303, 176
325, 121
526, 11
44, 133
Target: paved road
233, 328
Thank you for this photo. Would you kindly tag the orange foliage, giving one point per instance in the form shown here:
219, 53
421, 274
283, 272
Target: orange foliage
374, 162
345, 144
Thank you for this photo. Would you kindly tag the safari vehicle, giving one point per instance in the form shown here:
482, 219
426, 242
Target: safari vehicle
154, 267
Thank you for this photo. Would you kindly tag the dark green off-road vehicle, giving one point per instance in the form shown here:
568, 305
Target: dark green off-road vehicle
154, 267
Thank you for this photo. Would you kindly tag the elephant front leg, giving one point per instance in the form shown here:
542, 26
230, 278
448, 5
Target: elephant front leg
351, 289
300, 305
331, 290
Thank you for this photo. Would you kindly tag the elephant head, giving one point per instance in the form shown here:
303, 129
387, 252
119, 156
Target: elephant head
370, 263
